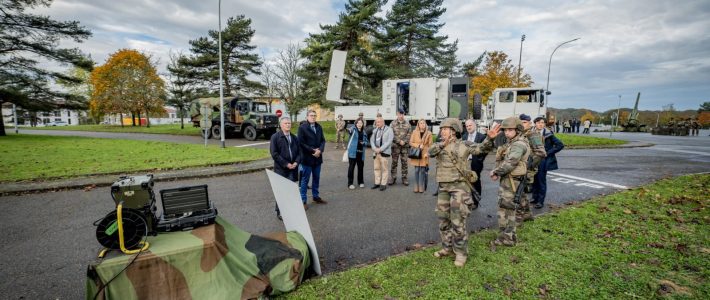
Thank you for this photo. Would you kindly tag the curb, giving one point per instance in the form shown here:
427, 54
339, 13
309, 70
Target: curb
627, 145
7, 189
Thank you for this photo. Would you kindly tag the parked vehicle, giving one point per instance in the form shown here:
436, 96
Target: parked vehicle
242, 116
57, 123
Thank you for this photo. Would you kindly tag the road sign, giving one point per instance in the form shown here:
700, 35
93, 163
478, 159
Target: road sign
206, 112
279, 113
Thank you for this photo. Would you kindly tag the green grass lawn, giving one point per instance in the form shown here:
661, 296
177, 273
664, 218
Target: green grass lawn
157, 129
574, 140
37, 157
570, 140
644, 243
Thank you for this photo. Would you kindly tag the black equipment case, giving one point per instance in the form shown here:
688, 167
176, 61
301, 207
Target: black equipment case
185, 208
136, 192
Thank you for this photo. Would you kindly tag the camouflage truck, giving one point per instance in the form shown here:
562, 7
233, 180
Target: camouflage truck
242, 116
218, 261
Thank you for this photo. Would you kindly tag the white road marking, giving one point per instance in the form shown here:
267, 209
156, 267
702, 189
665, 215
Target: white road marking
568, 177
681, 151
254, 144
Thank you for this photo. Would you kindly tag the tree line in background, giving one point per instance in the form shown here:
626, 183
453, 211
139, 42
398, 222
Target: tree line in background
646, 117
406, 43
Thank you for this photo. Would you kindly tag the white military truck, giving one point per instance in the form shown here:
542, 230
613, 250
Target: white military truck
511, 102
431, 99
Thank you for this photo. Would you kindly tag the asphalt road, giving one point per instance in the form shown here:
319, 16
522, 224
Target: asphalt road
49, 238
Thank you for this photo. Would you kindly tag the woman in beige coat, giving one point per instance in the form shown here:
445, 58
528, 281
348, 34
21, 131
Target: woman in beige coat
421, 138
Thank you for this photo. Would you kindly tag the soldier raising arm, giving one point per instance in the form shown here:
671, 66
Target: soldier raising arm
454, 178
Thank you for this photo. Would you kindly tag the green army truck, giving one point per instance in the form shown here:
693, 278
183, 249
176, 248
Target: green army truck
242, 117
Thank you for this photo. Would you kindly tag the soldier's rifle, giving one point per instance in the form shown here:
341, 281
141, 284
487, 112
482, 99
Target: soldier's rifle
474, 194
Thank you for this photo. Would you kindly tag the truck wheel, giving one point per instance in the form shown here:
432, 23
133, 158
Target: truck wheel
207, 132
250, 133
477, 106
215, 133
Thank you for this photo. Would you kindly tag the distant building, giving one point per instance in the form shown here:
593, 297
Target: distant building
40, 118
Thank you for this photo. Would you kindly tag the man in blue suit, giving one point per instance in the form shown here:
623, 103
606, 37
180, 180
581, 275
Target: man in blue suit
312, 141
549, 163
286, 152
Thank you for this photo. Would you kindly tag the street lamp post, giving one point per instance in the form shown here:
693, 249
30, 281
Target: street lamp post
520, 58
549, 64
221, 82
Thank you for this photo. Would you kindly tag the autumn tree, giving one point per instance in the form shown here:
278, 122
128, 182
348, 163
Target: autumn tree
127, 82
24, 39
498, 72
238, 60
353, 32
410, 44
588, 115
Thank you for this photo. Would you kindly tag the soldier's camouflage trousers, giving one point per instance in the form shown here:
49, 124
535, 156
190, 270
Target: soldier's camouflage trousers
523, 212
340, 138
452, 208
399, 153
506, 211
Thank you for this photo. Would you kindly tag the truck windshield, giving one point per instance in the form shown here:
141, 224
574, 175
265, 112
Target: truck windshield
259, 107
527, 96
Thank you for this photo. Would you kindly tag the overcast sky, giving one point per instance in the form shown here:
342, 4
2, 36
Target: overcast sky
659, 48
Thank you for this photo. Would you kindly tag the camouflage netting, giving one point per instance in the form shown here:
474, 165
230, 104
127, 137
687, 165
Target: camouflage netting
218, 261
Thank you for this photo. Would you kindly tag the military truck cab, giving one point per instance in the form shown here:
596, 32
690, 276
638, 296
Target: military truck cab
511, 102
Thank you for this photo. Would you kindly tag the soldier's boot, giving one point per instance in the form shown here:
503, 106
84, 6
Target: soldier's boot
460, 260
405, 181
392, 180
443, 253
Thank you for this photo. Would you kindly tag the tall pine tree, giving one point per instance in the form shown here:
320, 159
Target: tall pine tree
409, 43
238, 59
354, 32
23, 37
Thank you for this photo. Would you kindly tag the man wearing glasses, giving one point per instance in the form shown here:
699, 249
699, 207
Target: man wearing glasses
312, 141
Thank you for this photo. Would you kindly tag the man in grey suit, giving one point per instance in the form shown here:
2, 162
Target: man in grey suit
471, 137
381, 144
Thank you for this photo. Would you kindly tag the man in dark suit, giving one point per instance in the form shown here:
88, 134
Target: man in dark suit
549, 163
286, 152
312, 141
472, 136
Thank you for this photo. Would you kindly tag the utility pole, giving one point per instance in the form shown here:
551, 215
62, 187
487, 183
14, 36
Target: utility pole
14, 117
520, 58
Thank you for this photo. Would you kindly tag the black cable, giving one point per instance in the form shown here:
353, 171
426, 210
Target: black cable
145, 239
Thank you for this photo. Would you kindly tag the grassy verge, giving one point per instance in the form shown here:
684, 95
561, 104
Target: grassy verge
573, 140
36, 157
156, 129
570, 140
644, 243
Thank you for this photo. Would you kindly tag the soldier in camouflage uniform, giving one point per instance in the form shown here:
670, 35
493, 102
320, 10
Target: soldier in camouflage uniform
694, 127
339, 132
400, 147
538, 153
511, 165
454, 178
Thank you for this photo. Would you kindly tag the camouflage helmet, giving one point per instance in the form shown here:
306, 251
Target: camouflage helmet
512, 123
452, 123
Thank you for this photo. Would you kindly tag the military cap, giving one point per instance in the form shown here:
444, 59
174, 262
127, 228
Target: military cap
400, 110
452, 123
540, 118
524, 117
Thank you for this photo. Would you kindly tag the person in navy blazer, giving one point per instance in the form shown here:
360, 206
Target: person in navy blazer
473, 136
312, 141
286, 152
549, 163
